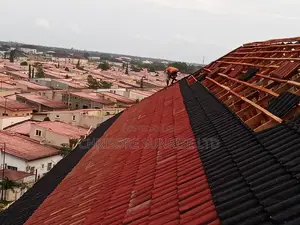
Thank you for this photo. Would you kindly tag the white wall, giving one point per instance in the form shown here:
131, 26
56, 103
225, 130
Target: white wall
6, 122
134, 96
11, 160
38, 164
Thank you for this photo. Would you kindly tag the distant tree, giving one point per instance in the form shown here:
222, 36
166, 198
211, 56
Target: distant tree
104, 66
86, 55
58, 65
12, 55
7, 184
32, 73
136, 68
65, 150
29, 72
47, 119
151, 69
123, 66
93, 83
24, 63
78, 65
67, 69
40, 72
67, 76
137, 100
126, 70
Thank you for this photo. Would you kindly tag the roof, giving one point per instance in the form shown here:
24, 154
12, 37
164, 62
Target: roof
180, 156
63, 129
145, 93
249, 77
22, 127
19, 74
119, 98
15, 175
43, 101
14, 105
93, 97
24, 147
32, 85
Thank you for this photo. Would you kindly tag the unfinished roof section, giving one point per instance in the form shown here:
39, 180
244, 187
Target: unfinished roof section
248, 78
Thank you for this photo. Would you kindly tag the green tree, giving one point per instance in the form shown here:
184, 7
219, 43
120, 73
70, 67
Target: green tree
7, 184
24, 63
104, 66
65, 149
136, 68
29, 72
126, 70
47, 119
86, 55
95, 84
40, 72
67, 69
12, 55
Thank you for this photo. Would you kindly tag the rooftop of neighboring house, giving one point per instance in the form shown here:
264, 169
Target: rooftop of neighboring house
22, 127
92, 97
119, 98
18, 73
43, 101
13, 66
24, 147
63, 129
142, 92
80, 111
15, 175
73, 83
7, 86
218, 147
32, 86
14, 105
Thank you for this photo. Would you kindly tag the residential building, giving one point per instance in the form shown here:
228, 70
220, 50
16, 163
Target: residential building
27, 86
28, 50
83, 117
27, 155
56, 133
26, 181
120, 100
9, 107
86, 100
41, 103
23, 127
138, 94
7, 121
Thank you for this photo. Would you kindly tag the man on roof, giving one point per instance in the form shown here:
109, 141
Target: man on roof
172, 73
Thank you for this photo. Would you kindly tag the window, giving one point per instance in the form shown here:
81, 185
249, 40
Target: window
73, 118
49, 167
107, 113
12, 168
38, 133
85, 107
57, 116
27, 114
76, 106
32, 169
43, 166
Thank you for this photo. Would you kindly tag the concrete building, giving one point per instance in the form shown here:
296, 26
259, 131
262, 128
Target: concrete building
41, 103
27, 155
138, 94
56, 133
84, 117
84, 100
9, 107
120, 100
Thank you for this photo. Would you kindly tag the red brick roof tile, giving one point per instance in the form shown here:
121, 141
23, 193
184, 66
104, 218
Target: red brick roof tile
145, 169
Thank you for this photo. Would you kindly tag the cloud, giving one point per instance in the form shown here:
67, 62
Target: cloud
142, 37
40, 22
75, 28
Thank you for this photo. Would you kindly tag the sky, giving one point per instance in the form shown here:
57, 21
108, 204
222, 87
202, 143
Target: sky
183, 30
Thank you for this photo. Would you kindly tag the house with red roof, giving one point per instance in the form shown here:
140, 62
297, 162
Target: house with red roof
55, 133
120, 100
86, 100
26, 180
10, 107
40, 103
24, 154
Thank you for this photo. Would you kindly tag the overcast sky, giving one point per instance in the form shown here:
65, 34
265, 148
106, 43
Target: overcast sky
183, 30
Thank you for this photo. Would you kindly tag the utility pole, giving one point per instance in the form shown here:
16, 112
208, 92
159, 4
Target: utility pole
203, 60
3, 168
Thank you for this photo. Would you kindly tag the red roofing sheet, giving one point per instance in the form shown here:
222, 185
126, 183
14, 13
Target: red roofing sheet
25, 148
32, 85
286, 69
22, 128
43, 101
14, 105
93, 97
154, 176
119, 98
64, 129
15, 175
237, 70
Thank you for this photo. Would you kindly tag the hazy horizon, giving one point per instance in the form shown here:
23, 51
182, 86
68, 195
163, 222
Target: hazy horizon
166, 29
